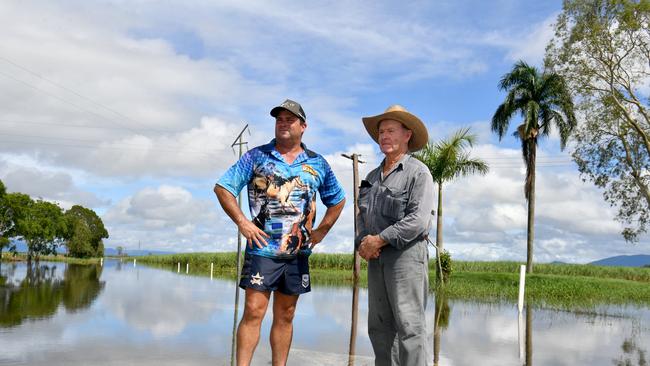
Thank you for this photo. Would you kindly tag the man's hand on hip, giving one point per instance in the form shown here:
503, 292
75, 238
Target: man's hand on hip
317, 235
252, 233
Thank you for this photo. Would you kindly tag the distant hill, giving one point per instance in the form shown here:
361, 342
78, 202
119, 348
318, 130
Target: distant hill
638, 260
135, 252
21, 247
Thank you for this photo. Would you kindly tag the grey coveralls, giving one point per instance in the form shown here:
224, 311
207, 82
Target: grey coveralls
398, 208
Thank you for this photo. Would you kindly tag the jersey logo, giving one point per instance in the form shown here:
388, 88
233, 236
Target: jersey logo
309, 169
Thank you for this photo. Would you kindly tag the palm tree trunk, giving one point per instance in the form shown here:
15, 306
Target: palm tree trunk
439, 231
531, 208
439, 219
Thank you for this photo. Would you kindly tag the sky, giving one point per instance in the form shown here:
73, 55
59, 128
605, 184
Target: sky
130, 108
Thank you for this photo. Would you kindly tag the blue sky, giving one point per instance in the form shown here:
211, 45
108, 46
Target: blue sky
129, 107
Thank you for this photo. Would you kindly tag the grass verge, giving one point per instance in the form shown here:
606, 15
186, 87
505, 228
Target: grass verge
565, 286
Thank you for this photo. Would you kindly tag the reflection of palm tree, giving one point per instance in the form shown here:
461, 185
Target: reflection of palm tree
630, 350
529, 336
543, 100
440, 322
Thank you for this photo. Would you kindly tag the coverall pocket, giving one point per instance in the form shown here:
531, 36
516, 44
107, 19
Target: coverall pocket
393, 203
364, 196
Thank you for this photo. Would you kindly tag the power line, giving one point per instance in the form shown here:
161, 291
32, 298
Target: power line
154, 149
58, 124
61, 99
92, 141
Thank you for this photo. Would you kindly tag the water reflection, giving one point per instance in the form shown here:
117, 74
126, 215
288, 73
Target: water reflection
165, 318
40, 292
441, 322
235, 319
529, 336
632, 354
352, 349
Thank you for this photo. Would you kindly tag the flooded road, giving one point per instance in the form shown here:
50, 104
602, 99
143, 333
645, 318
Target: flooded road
120, 314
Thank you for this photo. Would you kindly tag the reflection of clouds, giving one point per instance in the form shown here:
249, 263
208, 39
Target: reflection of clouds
160, 306
21, 343
323, 319
101, 336
559, 338
119, 353
153, 317
327, 311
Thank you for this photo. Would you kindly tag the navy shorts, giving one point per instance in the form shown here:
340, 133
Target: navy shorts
289, 276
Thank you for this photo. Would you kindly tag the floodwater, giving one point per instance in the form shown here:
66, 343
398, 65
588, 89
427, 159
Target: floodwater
121, 314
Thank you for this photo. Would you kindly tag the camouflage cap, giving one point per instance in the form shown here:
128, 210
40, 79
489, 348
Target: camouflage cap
291, 106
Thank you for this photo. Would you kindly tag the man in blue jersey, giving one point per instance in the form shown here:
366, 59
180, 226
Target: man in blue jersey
283, 177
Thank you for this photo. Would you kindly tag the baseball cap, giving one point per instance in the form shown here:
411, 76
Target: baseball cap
291, 106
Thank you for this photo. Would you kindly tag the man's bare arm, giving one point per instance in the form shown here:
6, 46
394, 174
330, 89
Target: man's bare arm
331, 215
252, 233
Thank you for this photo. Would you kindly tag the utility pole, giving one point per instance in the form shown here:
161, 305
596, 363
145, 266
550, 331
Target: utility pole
239, 141
355, 180
357, 260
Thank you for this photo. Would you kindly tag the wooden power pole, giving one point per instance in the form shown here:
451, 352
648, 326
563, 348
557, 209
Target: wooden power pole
357, 260
355, 180
239, 141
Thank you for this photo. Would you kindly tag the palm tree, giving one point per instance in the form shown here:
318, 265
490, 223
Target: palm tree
448, 160
542, 100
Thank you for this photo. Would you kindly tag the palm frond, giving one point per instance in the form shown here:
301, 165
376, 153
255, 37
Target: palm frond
503, 114
448, 158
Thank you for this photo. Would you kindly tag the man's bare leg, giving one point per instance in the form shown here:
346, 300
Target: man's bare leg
248, 332
284, 308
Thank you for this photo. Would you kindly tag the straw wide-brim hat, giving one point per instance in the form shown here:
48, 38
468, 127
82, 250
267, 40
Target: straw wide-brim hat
420, 135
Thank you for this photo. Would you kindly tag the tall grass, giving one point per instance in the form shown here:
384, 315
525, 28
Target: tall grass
227, 260
224, 262
560, 291
582, 270
344, 262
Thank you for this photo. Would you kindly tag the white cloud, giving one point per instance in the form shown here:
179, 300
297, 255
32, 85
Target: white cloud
168, 218
524, 43
49, 184
135, 104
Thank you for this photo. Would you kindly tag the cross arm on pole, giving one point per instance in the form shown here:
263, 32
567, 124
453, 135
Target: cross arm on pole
351, 157
239, 140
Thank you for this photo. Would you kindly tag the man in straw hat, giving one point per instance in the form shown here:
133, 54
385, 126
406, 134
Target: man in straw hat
395, 203
283, 178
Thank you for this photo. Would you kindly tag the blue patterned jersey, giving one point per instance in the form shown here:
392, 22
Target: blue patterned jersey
282, 197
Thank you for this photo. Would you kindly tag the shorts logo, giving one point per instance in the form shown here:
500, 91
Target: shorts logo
256, 279
305, 280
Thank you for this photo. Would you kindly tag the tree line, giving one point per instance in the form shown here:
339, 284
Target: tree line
45, 226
